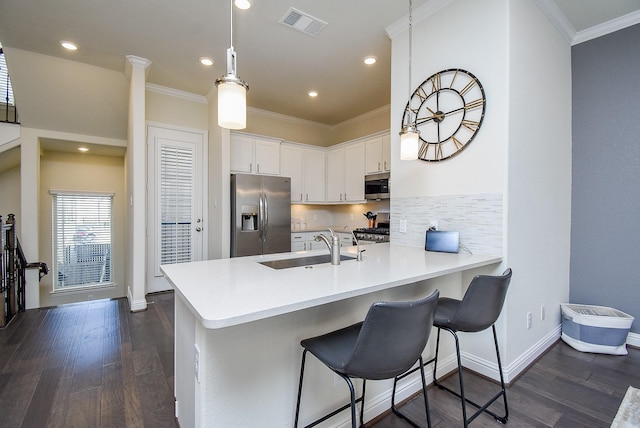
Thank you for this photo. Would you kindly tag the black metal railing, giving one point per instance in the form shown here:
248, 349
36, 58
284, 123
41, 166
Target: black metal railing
12, 272
8, 111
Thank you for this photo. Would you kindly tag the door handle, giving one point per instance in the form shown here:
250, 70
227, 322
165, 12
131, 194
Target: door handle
198, 229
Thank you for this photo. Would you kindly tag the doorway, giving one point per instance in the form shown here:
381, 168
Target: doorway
176, 197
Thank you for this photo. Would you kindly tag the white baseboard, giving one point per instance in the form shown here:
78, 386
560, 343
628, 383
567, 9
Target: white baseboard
512, 370
136, 305
633, 339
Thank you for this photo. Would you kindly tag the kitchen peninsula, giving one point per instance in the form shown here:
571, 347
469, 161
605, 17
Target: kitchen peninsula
238, 324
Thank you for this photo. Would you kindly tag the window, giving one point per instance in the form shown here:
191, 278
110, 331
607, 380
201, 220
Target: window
176, 190
81, 239
6, 92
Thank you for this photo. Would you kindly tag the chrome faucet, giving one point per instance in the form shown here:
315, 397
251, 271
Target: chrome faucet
334, 246
359, 253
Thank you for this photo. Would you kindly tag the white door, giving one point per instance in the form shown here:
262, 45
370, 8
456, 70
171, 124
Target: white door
176, 192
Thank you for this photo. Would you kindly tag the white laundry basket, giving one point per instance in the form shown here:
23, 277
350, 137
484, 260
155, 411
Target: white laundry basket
597, 329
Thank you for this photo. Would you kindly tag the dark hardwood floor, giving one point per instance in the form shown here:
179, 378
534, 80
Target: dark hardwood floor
91, 364
95, 364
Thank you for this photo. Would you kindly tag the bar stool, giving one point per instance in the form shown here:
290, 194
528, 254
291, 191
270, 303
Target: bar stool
386, 344
478, 310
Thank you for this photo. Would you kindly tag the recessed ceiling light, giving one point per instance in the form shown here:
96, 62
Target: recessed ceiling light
313, 94
83, 149
204, 60
243, 4
69, 45
369, 60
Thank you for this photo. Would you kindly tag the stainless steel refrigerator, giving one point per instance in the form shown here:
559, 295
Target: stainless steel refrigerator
260, 215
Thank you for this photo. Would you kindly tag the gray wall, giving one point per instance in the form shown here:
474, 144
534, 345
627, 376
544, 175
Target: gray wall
605, 230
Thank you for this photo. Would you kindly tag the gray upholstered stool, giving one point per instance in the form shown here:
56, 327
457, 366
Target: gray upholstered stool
386, 344
478, 310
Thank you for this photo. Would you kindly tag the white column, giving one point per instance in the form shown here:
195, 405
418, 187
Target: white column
28, 224
136, 69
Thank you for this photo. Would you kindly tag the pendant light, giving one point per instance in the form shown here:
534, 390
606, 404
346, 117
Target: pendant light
409, 134
232, 92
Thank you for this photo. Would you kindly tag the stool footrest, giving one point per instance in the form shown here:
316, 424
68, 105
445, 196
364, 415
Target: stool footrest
481, 408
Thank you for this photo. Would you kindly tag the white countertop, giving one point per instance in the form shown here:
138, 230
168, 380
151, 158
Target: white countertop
226, 292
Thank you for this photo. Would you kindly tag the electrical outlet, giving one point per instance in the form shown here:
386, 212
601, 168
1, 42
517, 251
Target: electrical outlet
529, 320
197, 363
433, 224
403, 226
542, 313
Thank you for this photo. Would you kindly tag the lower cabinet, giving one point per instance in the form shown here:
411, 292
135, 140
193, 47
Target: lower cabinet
306, 241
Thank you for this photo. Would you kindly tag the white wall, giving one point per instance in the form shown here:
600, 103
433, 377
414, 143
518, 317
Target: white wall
539, 180
81, 172
521, 153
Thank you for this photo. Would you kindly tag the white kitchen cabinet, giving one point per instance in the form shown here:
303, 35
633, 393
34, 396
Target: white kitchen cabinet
254, 155
345, 173
313, 166
335, 175
298, 241
386, 152
306, 167
306, 241
346, 240
378, 154
291, 166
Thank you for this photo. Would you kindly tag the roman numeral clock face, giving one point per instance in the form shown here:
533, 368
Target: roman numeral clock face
447, 109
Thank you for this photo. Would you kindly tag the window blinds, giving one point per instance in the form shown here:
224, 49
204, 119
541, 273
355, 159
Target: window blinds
81, 239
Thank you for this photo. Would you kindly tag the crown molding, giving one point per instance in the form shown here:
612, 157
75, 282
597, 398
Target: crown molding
558, 19
608, 27
151, 87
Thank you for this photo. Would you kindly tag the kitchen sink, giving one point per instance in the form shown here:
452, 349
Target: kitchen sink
303, 261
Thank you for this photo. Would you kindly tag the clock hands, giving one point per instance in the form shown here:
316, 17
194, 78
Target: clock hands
437, 116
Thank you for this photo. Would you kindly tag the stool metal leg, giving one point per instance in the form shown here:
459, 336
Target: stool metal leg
352, 403
304, 357
395, 408
464, 400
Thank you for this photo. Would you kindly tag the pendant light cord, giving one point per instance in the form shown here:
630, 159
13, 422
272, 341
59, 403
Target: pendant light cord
231, 26
410, 42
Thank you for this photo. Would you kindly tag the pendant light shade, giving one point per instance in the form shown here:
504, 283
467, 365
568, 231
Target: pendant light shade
409, 141
232, 93
409, 134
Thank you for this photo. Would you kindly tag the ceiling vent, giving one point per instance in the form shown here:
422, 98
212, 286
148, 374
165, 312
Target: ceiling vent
302, 22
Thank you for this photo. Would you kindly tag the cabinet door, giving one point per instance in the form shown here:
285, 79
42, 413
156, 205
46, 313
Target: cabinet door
386, 153
267, 157
242, 154
314, 176
298, 241
354, 172
291, 166
373, 155
335, 175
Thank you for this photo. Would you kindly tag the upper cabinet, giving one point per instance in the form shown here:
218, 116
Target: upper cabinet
306, 167
378, 154
254, 155
319, 175
345, 173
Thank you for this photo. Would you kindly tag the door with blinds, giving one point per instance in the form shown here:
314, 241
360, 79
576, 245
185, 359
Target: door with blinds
176, 189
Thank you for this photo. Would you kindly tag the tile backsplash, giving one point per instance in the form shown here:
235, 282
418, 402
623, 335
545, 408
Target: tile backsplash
352, 215
478, 218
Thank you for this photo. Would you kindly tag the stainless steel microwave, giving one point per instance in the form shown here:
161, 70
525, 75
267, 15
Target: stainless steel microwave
377, 186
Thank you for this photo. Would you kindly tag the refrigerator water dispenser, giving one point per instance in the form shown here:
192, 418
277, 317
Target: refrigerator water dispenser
249, 218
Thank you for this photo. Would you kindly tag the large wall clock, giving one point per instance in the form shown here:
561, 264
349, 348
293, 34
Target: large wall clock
447, 109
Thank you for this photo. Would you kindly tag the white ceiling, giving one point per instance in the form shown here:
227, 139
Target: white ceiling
280, 64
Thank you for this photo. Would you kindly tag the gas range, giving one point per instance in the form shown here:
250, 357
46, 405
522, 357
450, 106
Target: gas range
372, 234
